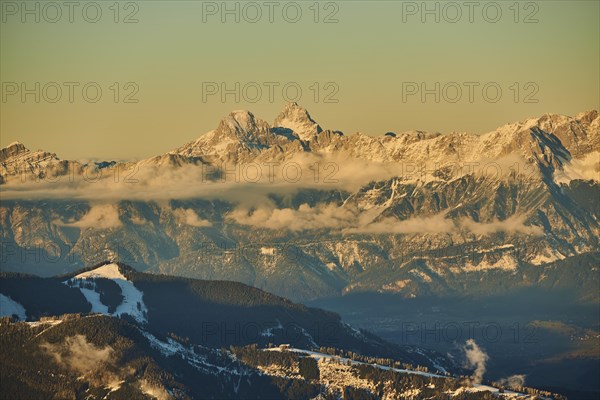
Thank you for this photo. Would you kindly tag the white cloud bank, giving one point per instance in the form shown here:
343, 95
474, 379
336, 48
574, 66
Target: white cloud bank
582, 168
189, 217
100, 216
351, 220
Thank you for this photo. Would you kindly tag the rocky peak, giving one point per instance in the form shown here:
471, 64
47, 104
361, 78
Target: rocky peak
16, 159
587, 116
242, 126
578, 134
13, 149
297, 119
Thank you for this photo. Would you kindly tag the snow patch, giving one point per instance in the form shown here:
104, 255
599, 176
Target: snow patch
172, 348
269, 331
267, 251
132, 304
548, 256
395, 286
506, 263
9, 307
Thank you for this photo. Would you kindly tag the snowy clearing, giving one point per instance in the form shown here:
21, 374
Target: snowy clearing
132, 304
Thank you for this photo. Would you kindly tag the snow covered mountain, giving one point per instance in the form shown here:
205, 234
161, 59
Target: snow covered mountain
413, 213
16, 160
551, 143
297, 120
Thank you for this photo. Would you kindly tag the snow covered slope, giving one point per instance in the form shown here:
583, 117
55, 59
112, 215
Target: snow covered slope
9, 307
132, 304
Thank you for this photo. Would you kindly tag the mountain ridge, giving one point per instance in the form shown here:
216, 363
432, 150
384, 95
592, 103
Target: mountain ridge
505, 205
241, 137
211, 313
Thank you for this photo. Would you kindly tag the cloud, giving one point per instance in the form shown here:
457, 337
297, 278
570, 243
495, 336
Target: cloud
249, 187
475, 358
349, 219
513, 224
100, 216
587, 167
328, 216
76, 354
96, 364
513, 381
189, 217
248, 182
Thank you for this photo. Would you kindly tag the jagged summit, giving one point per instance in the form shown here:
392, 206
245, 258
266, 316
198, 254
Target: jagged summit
549, 141
242, 125
297, 119
15, 143
12, 150
16, 159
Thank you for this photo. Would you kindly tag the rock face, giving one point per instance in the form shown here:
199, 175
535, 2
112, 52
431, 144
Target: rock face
17, 160
546, 143
296, 119
430, 214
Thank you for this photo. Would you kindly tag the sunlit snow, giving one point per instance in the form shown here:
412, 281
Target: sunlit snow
132, 304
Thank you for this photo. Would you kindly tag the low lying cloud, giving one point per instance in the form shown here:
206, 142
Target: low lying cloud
167, 179
513, 224
475, 358
96, 364
78, 355
146, 182
328, 216
189, 217
582, 168
349, 219
100, 216
513, 382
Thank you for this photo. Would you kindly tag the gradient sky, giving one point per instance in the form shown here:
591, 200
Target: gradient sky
369, 53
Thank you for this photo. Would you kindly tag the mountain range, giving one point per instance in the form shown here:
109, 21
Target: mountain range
307, 212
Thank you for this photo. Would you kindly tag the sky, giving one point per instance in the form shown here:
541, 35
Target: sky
99, 81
